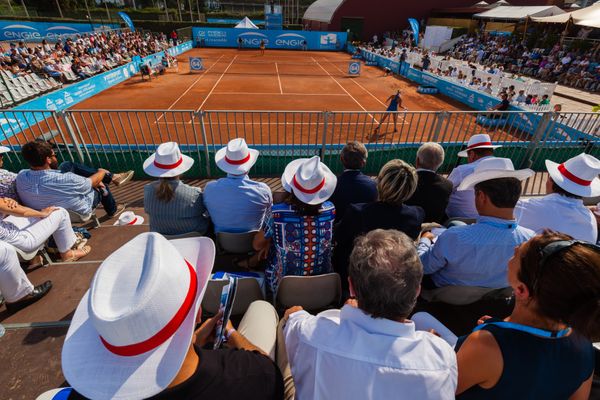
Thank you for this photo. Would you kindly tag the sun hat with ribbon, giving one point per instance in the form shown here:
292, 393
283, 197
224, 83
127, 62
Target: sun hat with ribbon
309, 179
167, 161
479, 141
236, 158
133, 328
494, 168
578, 175
129, 218
4, 149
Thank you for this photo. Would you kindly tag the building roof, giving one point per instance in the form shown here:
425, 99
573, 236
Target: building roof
515, 13
322, 10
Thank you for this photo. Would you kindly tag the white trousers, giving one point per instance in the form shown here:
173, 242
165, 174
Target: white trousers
33, 232
14, 284
259, 326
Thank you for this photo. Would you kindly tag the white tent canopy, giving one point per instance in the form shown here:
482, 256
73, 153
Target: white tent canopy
481, 4
516, 13
322, 10
246, 23
589, 16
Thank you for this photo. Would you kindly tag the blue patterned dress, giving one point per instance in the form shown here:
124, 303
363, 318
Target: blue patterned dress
301, 245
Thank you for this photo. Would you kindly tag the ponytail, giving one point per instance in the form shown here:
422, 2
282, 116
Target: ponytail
164, 191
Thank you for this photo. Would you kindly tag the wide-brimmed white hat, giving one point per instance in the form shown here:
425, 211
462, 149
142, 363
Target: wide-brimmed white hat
236, 158
479, 141
167, 161
311, 181
494, 168
578, 175
133, 328
4, 149
129, 218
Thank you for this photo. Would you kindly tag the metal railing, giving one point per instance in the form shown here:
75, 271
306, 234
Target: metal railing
125, 138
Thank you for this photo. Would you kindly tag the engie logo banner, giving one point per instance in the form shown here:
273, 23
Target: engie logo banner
36, 31
274, 39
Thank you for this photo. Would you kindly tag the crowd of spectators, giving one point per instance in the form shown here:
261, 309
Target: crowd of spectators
83, 55
388, 244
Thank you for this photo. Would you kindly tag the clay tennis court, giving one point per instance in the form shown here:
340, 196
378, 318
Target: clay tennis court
274, 86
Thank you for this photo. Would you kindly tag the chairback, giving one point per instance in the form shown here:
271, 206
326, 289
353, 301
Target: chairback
248, 290
316, 292
235, 243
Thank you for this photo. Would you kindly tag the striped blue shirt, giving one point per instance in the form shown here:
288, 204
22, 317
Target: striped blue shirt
50, 187
183, 214
237, 203
473, 255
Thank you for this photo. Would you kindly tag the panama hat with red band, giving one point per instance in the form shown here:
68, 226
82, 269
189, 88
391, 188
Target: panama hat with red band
311, 181
133, 328
236, 158
167, 161
129, 218
494, 168
479, 141
578, 175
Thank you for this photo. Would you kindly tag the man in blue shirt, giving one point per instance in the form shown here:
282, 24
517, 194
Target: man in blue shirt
74, 186
236, 203
478, 254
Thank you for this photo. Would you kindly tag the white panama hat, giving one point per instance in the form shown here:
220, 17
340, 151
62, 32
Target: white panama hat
479, 141
4, 149
578, 175
134, 326
167, 161
494, 168
311, 181
129, 218
236, 158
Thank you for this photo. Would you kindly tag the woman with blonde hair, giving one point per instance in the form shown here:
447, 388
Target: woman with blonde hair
174, 208
396, 183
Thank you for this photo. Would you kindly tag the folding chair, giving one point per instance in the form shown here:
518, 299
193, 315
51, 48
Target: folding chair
248, 290
235, 243
76, 217
24, 257
317, 292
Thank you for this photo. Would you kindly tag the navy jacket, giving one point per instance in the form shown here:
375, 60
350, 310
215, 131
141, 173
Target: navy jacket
352, 187
432, 194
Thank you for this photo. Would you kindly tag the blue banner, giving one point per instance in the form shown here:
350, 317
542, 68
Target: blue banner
228, 37
414, 25
156, 58
36, 31
274, 21
127, 20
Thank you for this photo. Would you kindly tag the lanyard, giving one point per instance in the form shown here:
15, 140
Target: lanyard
525, 328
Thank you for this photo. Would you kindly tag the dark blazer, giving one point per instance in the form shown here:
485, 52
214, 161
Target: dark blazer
352, 187
362, 218
432, 194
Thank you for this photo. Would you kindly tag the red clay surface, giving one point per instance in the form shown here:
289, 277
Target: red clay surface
272, 85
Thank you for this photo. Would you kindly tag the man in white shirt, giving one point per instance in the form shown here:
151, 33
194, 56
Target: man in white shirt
562, 208
462, 203
369, 349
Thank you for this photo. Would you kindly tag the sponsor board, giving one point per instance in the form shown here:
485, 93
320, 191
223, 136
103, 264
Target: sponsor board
36, 31
195, 64
274, 39
354, 68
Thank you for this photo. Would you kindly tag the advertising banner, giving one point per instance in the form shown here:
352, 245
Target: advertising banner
274, 21
228, 37
127, 20
36, 31
414, 25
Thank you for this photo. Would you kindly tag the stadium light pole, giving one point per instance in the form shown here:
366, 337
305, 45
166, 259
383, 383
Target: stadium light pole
59, 9
25, 8
106, 6
10, 6
166, 10
191, 13
179, 10
198, 9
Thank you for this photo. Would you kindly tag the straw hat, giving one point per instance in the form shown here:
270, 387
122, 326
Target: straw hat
236, 158
133, 328
129, 218
4, 149
167, 161
578, 175
494, 168
479, 141
311, 181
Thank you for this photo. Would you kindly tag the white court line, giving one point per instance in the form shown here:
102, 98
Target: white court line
278, 78
216, 83
190, 87
370, 94
279, 94
340, 85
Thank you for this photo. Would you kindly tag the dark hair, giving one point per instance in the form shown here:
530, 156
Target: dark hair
354, 155
566, 288
480, 153
36, 153
557, 189
301, 208
503, 192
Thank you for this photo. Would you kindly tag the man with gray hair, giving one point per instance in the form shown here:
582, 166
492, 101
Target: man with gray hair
352, 185
433, 190
369, 349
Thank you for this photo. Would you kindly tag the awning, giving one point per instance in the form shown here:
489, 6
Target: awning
516, 13
246, 23
322, 10
589, 16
